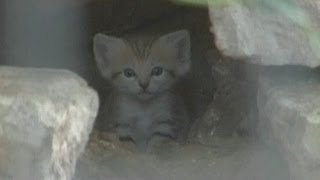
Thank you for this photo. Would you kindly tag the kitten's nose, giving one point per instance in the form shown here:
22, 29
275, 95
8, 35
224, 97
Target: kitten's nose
144, 85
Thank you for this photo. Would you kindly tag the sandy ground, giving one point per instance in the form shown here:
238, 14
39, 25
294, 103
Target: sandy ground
226, 159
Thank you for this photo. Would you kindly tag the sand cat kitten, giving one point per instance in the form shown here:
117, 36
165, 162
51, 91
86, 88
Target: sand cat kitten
143, 105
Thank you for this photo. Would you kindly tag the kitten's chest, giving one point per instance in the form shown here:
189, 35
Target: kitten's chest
126, 110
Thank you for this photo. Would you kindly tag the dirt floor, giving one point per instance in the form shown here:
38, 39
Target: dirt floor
228, 159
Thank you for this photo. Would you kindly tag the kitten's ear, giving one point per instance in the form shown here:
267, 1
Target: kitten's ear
105, 48
179, 41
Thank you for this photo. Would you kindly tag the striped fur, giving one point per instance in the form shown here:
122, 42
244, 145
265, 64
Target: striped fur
140, 47
143, 105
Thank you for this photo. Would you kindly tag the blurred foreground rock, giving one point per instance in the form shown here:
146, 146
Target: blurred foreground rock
289, 110
45, 120
264, 35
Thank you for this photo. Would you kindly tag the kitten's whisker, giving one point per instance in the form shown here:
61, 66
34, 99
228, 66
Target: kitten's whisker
126, 138
167, 122
162, 134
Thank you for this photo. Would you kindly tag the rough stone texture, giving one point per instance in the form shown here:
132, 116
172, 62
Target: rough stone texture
265, 36
45, 120
118, 16
233, 106
289, 110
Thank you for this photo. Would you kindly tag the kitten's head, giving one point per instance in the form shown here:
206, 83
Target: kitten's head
143, 69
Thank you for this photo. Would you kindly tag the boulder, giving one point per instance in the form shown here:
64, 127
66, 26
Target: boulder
289, 111
269, 32
46, 117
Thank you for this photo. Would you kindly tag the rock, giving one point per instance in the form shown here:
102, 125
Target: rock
119, 16
45, 119
267, 36
289, 110
233, 106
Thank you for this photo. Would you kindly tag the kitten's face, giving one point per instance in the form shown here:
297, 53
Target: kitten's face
143, 78
143, 69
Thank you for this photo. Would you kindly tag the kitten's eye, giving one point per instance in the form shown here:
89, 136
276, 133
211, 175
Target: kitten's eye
157, 71
129, 73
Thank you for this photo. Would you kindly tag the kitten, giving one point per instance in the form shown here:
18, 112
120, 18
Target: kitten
144, 105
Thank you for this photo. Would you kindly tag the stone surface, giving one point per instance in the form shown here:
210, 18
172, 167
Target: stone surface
233, 106
266, 36
45, 119
119, 16
289, 110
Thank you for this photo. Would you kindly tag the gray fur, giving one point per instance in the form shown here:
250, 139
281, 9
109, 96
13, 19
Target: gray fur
145, 107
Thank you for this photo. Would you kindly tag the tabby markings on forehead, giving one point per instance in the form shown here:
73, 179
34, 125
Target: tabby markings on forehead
141, 48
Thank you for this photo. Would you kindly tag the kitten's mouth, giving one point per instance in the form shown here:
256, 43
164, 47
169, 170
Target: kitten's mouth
145, 95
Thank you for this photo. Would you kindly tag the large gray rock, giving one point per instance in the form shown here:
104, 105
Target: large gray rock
289, 110
45, 120
267, 36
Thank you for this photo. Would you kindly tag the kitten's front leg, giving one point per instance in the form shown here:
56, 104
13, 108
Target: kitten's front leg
163, 132
132, 132
124, 131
